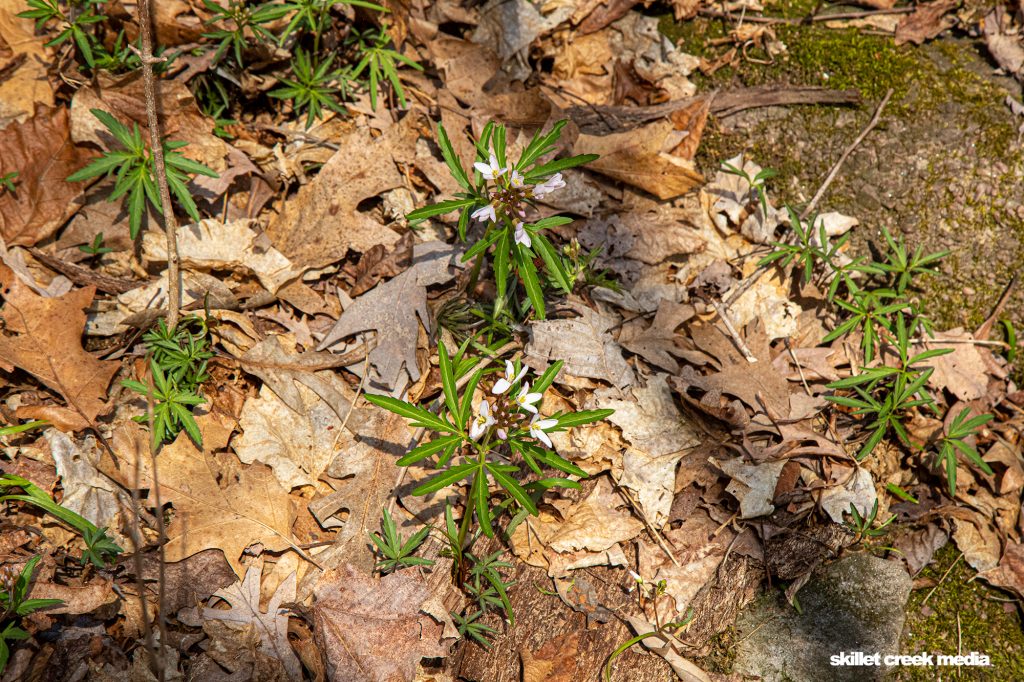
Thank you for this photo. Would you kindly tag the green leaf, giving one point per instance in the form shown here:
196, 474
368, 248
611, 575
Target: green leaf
418, 415
528, 273
446, 478
425, 450
554, 263
583, 417
501, 263
552, 167
514, 489
440, 208
451, 158
451, 396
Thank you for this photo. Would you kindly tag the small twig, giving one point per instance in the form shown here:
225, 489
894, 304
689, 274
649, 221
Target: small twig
159, 170
650, 527
756, 275
849, 150
161, 531
737, 339
799, 368
942, 579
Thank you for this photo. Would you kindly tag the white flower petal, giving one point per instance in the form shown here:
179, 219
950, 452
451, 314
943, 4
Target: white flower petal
522, 236
542, 437
500, 386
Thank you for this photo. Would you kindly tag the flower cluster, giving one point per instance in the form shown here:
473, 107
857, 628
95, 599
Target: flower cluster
510, 194
509, 408
497, 192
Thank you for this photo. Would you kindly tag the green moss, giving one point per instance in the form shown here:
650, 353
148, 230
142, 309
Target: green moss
985, 624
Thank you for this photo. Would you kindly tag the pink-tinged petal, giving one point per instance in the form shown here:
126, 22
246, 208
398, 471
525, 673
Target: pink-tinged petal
502, 434
522, 236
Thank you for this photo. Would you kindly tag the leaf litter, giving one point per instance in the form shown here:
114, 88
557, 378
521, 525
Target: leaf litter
318, 290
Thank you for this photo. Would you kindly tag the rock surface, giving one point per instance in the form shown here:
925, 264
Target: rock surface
854, 604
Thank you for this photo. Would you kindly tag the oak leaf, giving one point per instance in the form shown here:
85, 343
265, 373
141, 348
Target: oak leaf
44, 339
640, 158
374, 630
244, 600
249, 507
392, 309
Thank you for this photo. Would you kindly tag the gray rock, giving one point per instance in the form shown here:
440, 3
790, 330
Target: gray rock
854, 604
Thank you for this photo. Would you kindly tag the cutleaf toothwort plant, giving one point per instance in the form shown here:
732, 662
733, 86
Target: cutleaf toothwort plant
498, 194
489, 440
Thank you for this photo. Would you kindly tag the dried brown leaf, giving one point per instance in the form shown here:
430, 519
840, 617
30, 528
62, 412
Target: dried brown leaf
926, 22
394, 310
44, 339
374, 630
251, 508
640, 158
583, 343
41, 152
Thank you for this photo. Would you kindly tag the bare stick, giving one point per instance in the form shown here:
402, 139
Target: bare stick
737, 339
750, 281
159, 170
161, 617
842, 159
715, 14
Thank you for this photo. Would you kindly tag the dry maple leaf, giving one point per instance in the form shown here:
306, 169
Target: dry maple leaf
41, 152
392, 309
374, 630
640, 158
45, 339
251, 507
244, 599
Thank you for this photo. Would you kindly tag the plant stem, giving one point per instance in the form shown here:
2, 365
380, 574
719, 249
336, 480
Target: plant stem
159, 169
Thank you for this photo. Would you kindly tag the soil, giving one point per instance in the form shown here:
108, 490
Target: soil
944, 169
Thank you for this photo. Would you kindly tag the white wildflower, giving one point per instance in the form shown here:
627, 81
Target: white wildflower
516, 180
538, 427
510, 378
549, 186
483, 420
491, 171
522, 236
526, 400
485, 213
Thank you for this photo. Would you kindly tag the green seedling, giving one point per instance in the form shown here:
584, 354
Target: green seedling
310, 91
99, 548
236, 22
398, 553
74, 24
864, 526
381, 62
313, 16
14, 604
132, 168
7, 182
960, 430
96, 248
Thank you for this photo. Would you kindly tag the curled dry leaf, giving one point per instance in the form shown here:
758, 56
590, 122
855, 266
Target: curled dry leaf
752, 484
583, 343
555, 661
394, 310
926, 22
652, 423
41, 152
45, 339
374, 630
27, 86
320, 224
87, 492
640, 158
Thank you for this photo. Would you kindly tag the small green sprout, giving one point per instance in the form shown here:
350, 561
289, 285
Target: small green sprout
864, 526
132, 167
236, 21
310, 91
955, 440
379, 61
96, 248
74, 24
14, 604
398, 554
7, 182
